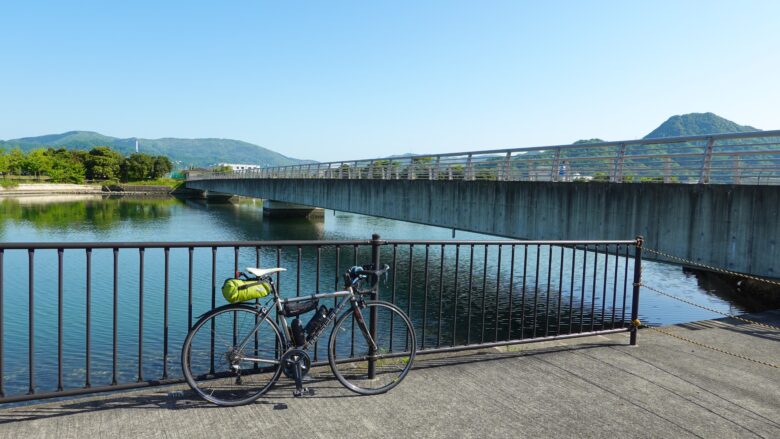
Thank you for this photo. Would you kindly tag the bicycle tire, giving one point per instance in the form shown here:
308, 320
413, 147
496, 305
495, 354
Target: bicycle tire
396, 342
206, 361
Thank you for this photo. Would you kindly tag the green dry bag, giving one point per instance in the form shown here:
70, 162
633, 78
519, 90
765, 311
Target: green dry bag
237, 290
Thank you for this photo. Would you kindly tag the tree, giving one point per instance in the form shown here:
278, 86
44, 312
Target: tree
37, 162
161, 166
66, 166
14, 161
137, 167
103, 163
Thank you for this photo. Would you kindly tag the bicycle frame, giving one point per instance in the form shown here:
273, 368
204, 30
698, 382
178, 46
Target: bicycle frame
279, 303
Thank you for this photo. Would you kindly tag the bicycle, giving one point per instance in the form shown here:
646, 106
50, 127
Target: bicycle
237, 352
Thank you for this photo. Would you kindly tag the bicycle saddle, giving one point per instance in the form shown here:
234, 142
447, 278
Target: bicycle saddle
260, 272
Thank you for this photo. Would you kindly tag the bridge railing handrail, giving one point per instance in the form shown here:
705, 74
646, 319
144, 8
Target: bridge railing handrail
50, 278
689, 159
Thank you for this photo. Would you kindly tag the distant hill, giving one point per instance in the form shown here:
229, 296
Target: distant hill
695, 124
184, 152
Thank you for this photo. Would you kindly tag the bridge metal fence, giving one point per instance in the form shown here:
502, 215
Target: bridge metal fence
78, 318
742, 158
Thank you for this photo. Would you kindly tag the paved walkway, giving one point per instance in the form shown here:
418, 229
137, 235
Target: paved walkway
598, 387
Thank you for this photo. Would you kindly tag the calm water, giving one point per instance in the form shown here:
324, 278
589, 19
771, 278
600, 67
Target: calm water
92, 219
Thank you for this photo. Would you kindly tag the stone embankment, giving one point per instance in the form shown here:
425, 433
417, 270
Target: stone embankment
68, 189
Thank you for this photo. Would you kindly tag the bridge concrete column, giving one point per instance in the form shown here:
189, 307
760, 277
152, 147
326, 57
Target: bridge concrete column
280, 209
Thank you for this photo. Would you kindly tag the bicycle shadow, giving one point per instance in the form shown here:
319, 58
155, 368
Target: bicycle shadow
322, 383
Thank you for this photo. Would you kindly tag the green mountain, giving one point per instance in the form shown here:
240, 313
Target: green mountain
183, 152
695, 124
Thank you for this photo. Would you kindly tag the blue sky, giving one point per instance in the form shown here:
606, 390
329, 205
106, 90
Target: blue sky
356, 79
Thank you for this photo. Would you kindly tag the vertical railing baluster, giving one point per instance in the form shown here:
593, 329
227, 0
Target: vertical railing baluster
511, 291
298, 273
593, 291
166, 253
441, 295
549, 291
498, 289
425, 297
582, 292
625, 289
354, 263
213, 305
536, 291
455, 296
114, 318
88, 318
190, 251
409, 298
614, 286
571, 286
471, 285
31, 318
235, 314
278, 264
59, 318
637, 283
484, 292
560, 294
372, 315
604, 288
392, 298
140, 314
255, 366
338, 270
317, 288
522, 298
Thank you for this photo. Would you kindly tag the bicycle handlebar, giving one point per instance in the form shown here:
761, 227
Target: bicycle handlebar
358, 274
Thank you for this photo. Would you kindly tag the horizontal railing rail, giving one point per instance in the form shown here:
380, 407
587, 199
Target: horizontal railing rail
737, 158
78, 318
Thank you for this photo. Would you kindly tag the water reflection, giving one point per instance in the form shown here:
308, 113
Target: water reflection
94, 211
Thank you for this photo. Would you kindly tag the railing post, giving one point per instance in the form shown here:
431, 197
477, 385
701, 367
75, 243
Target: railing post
371, 170
707, 162
637, 283
372, 319
436, 172
508, 166
667, 170
618, 174
556, 163
469, 169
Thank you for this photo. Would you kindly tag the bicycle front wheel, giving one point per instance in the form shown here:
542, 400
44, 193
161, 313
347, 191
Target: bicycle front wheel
219, 369
351, 359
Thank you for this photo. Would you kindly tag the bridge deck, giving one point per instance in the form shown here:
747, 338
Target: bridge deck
589, 388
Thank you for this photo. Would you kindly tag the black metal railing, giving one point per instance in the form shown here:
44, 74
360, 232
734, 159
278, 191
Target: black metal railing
116, 313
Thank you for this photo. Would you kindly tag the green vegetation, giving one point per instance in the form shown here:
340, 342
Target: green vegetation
74, 166
695, 124
184, 153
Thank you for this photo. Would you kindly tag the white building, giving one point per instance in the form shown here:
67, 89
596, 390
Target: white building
238, 167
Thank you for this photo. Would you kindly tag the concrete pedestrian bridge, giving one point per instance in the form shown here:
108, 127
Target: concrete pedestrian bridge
712, 200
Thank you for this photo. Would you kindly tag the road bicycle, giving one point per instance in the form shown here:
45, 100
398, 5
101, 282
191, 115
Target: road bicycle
236, 353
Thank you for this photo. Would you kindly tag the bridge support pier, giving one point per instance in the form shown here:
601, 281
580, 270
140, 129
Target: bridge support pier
279, 209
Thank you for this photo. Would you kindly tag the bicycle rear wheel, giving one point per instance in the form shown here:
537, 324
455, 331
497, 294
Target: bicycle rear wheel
219, 370
348, 349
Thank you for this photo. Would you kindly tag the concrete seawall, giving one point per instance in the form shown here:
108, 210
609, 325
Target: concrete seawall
733, 227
